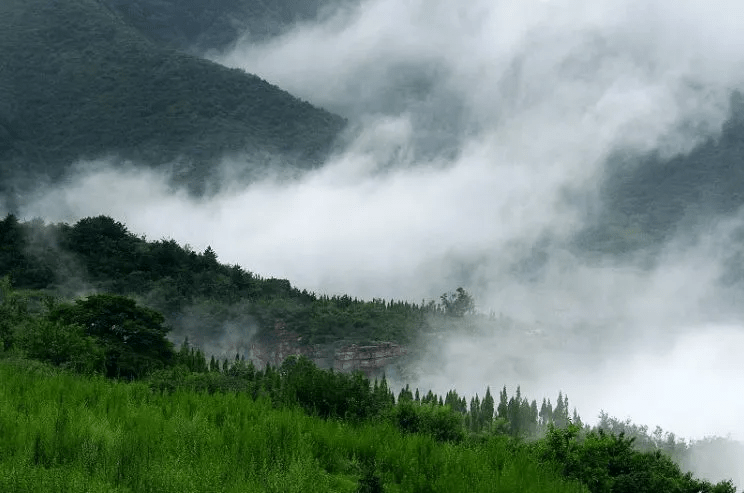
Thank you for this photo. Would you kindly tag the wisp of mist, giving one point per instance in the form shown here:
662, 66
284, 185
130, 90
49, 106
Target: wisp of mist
480, 132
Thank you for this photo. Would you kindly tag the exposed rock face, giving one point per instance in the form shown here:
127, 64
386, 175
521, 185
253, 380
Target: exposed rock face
372, 359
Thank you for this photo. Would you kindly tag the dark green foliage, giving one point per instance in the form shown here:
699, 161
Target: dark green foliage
81, 83
199, 25
330, 394
66, 433
608, 463
442, 423
133, 338
458, 304
647, 199
196, 293
370, 482
60, 344
112, 332
13, 312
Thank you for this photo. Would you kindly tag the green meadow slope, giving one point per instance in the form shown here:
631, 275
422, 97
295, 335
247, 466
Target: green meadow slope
70, 433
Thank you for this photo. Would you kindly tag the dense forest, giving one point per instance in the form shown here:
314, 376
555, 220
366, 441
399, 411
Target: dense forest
116, 94
648, 199
198, 26
197, 294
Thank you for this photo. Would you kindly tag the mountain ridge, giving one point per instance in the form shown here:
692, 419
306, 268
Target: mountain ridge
105, 90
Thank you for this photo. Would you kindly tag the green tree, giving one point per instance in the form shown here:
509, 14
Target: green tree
458, 304
132, 337
503, 409
487, 408
608, 463
60, 344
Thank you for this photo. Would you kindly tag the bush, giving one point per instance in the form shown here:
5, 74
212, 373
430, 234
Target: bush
59, 344
608, 463
439, 422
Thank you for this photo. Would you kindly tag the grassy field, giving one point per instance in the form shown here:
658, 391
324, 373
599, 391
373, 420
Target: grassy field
62, 432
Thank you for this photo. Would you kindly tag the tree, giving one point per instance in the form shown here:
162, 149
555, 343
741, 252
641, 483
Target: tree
503, 408
487, 408
132, 337
457, 304
546, 412
560, 413
60, 344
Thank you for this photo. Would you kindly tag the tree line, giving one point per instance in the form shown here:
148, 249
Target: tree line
101, 254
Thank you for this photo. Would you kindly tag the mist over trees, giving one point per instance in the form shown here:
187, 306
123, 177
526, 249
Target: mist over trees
128, 343
196, 26
100, 254
115, 336
116, 94
123, 358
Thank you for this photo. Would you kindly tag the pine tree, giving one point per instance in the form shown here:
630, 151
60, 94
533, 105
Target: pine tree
560, 413
475, 413
405, 395
503, 409
543, 413
487, 408
533, 419
576, 419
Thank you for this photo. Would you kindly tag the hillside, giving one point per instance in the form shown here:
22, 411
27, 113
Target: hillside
200, 297
648, 199
269, 431
77, 82
123, 437
122, 338
199, 26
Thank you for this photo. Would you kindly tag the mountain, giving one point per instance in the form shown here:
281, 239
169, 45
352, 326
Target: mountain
199, 26
648, 199
77, 82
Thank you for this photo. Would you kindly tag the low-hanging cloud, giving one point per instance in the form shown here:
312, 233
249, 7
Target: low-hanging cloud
482, 134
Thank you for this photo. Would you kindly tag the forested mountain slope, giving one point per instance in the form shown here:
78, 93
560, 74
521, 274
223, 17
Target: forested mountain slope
196, 25
647, 199
198, 295
77, 82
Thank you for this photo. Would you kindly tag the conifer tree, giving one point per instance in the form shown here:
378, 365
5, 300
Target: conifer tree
487, 408
543, 414
405, 395
503, 408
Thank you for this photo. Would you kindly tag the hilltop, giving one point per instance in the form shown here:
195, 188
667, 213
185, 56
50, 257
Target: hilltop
79, 83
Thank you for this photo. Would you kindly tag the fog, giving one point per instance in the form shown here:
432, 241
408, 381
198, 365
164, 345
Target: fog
480, 135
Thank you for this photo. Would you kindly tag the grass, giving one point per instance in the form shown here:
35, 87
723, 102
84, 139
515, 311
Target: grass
62, 432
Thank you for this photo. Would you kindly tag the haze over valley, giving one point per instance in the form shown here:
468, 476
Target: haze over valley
576, 166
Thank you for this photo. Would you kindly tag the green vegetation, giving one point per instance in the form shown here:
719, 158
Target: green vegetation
648, 199
195, 25
184, 424
78, 82
67, 433
197, 294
